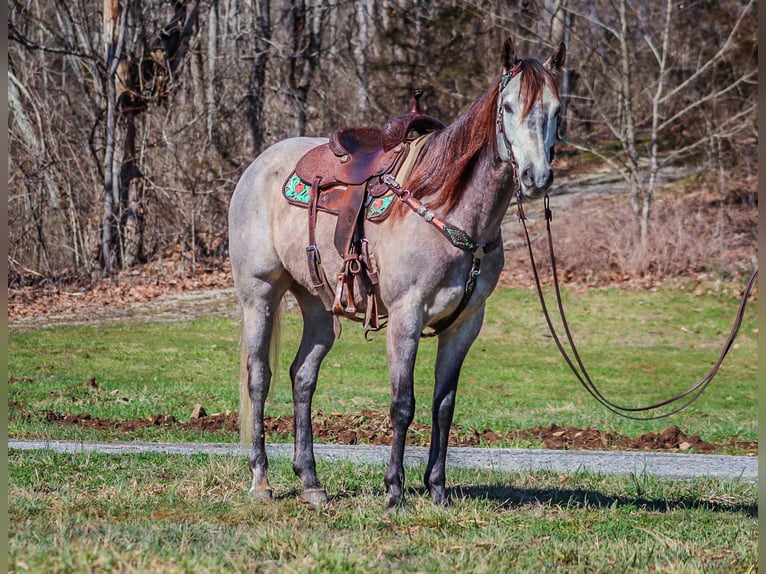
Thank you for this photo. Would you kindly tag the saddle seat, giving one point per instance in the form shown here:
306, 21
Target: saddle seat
354, 155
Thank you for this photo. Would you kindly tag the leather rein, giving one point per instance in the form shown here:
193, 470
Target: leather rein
688, 396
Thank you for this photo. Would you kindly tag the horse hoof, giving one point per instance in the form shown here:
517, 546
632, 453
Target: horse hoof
261, 493
395, 506
314, 496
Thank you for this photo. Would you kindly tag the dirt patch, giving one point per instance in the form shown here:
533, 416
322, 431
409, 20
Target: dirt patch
374, 428
157, 291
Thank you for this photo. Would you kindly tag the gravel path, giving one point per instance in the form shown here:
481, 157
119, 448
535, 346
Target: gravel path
662, 465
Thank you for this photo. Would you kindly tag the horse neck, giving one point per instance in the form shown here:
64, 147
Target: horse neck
486, 197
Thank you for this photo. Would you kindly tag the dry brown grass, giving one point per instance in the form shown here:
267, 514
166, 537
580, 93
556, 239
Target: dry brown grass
691, 237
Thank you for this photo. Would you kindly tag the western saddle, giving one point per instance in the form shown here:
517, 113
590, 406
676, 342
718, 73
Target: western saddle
344, 175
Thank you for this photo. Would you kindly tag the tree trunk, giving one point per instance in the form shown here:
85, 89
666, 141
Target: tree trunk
303, 25
639, 202
257, 82
131, 185
361, 42
114, 36
212, 56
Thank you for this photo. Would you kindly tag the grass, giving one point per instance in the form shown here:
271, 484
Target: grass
173, 513
639, 347
91, 512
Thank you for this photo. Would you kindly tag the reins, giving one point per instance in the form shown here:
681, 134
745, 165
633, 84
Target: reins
691, 394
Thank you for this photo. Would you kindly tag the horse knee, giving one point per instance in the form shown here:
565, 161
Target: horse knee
402, 411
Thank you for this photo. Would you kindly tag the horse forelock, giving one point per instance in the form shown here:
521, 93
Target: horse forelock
534, 78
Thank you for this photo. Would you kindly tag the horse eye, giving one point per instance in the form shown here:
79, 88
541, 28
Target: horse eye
508, 108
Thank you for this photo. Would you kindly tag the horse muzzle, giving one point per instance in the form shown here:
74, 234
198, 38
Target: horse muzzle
535, 183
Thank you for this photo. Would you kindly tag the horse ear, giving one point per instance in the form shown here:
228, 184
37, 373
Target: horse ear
555, 63
509, 55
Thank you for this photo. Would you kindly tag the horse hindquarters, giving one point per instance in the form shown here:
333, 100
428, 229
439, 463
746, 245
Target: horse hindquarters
262, 276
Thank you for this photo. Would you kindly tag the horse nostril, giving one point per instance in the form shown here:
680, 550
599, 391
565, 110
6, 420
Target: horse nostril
526, 177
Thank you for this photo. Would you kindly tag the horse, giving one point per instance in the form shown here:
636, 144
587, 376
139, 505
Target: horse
467, 174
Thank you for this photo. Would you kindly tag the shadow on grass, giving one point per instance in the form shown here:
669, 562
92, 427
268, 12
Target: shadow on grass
509, 497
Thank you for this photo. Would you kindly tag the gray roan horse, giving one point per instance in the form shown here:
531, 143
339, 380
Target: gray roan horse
467, 174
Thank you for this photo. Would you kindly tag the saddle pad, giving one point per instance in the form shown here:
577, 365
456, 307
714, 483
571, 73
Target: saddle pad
297, 192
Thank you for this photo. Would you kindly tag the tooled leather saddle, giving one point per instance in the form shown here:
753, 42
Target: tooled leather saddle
343, 177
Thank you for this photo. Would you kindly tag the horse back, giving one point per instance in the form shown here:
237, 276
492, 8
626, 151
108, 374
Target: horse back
257, 207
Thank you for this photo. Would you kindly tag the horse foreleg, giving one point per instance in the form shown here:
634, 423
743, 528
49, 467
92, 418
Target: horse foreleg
453, 348
402, 340
317, 339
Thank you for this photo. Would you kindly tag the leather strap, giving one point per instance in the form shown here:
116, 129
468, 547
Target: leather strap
316, 272
691, 394
348, 218
456, 237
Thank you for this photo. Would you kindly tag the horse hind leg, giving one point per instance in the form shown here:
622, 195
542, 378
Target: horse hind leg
260, 314
316, 341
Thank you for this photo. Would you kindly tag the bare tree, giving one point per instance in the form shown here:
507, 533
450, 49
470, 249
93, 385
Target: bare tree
256, 89
212, 57
302, 22
652, 95
137, 75
120, 153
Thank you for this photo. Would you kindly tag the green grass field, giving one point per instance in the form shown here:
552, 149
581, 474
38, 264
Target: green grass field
639, 347
139, 513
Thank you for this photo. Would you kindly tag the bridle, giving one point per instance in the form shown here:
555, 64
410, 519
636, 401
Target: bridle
688, 396
575, 362
500, 135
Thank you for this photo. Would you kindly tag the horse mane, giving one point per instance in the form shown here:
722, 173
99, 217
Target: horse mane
450, 156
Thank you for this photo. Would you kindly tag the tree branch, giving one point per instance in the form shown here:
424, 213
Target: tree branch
717, 56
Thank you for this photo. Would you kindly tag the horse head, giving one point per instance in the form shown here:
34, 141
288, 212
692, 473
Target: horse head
527, 117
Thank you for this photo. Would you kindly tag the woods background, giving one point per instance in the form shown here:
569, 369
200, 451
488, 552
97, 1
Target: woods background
131, 120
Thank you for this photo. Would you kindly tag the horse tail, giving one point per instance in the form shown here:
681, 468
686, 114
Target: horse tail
245, 404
